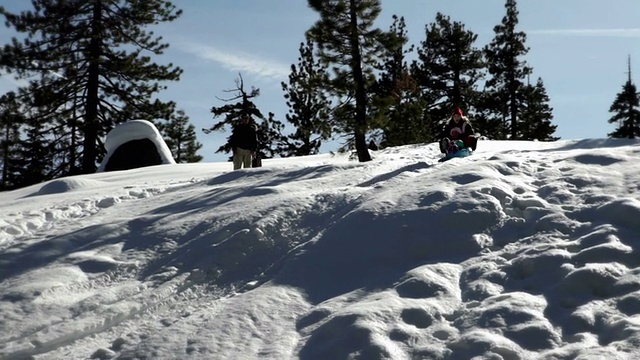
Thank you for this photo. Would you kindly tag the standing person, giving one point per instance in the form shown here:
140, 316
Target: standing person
244, 143
458, 128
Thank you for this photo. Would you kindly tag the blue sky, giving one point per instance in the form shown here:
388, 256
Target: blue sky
579, 48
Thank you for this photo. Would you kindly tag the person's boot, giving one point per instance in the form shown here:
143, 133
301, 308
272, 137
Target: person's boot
444, 145
474, 143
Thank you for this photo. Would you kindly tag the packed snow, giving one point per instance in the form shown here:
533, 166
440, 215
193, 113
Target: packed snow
523, 250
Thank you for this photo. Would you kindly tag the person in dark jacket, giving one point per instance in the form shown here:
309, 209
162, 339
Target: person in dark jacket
458, 128
244, 143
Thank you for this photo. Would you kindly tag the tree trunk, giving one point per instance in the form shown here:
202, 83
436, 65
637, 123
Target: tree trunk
90, 128
457, 94
7, 160
513, 94
361, 95
513, 109
630, 122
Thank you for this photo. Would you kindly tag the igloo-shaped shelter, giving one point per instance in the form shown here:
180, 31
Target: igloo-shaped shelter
135, 144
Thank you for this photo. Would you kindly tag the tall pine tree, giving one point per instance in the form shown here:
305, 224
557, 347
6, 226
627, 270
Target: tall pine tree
11, 120
349, 44
94, 59
626, 110
271, 141
448, 68
508, 72
487, 121
239, 104
270, 138
35, 156
397, 97
308, 104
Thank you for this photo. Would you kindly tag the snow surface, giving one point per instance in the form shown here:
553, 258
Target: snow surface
524, 250
135, 130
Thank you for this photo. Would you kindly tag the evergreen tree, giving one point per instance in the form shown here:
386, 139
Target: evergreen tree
507, 71
271, 142
180, 137
10, 122
308, 104
350, 46
449, 68
270, 137
34, 163
536, 114
397, 97
40, 104
94, 61
240, 104
487, 122
626, 111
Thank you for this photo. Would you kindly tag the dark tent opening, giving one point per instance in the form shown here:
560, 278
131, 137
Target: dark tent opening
134, 154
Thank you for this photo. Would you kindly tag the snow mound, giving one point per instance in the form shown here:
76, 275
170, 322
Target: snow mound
61, 186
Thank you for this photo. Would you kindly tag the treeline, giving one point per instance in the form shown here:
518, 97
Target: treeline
87, 66
360, 83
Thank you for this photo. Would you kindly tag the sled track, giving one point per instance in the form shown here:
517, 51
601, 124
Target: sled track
27, 225
137, 299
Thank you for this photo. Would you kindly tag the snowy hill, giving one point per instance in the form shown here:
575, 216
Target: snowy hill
524, 250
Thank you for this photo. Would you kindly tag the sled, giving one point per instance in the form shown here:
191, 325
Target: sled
460, 153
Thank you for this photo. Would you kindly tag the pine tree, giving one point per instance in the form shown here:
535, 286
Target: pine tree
34, 163
350, 46
487, 122
308, 104
11, 120
398, 106
449, 68
180, 137
240, 104
271, 142
269, 136
536, 114
507, 71
94, 61
626, 110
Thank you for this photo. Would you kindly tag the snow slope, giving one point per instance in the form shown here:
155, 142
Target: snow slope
524, 250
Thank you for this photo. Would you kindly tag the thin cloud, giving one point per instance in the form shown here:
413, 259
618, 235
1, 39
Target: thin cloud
632, 32
238, 61
15, 83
